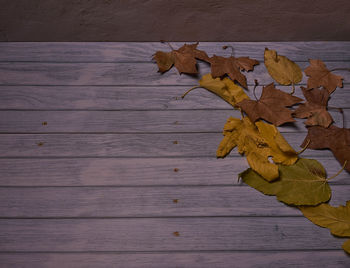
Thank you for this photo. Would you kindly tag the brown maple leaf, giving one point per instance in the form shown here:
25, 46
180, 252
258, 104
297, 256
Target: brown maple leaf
334, 138
232, 67
315, 109
183, 58
271, 106
319, 75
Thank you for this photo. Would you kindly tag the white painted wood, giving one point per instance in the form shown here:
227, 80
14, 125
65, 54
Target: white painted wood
128, 74
142, 51
118, 97
309, 259
126, 145
97, 183
130, 121
171, 201
136, 172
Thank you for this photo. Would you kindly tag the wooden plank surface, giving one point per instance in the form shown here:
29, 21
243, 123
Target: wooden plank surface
126, 145
157, 234
310, 259
131, 121
118, 98
137, 172
128, 74
136, 52
102, 161
119, 202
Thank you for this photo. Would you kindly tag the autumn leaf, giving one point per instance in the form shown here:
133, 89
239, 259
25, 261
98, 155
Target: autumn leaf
280, 151
258, 142
336, 219
334, 138
303, 183
319, 75
346, 246
271, 106
282, 70
232, 67
224, 88
183, 58
315, 109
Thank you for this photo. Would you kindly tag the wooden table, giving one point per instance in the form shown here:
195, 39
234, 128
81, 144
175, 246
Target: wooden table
103, 164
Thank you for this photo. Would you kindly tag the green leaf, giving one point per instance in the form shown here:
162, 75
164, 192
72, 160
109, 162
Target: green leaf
303, 183
337, 219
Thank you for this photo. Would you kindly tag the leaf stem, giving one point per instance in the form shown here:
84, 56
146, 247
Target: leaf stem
338, 171
305, 147
232, 49
163, 41
293, 89
188, 91
340, 69
256, 84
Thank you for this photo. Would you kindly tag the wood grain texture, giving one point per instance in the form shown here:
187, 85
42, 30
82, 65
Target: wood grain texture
137, 172
142, 51
130, 121
310, 259
41, 73
118, 98
208, 201
157, 234
96, 145
126, 145
155, 20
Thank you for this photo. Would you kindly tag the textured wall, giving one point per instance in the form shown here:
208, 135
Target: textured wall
153, 20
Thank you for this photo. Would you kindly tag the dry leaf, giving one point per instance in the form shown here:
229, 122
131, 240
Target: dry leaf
282, 70
183, 58
336, 219
346, 246
280, 151
224, 88
271, 106
232, 67
319, 75
334, 138
258, 143
303, 183
315, 109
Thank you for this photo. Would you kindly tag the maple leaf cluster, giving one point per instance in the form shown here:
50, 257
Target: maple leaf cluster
293, 180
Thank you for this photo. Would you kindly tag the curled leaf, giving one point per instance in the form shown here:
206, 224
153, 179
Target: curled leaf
282, 70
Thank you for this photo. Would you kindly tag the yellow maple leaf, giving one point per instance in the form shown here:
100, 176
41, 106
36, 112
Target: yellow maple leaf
258, 142
281, 151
